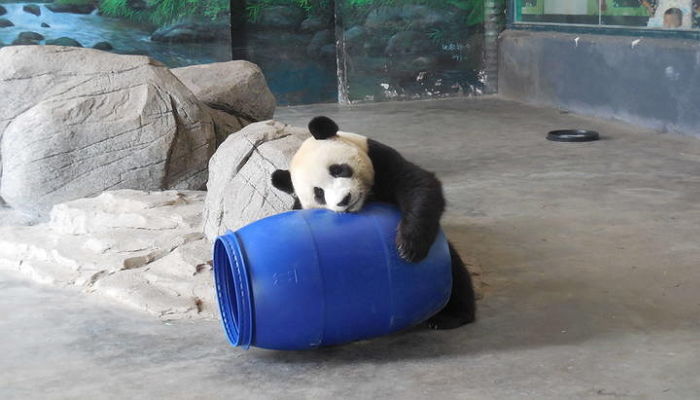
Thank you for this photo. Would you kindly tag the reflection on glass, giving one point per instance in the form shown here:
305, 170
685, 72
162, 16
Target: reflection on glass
175, 32
387, 49
659, 14
411, 48
293, 42
553, 11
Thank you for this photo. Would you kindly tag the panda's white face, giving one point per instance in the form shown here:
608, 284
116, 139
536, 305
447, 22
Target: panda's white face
334, 173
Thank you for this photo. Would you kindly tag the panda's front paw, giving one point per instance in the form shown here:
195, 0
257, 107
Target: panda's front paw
411, 245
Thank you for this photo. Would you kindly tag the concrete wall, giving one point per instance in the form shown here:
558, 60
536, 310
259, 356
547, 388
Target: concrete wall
650, 82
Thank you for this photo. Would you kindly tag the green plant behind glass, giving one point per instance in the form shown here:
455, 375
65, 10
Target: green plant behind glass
162, 12
312, 7
473, 9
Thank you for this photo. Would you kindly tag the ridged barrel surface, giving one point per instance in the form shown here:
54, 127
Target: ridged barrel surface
310, 278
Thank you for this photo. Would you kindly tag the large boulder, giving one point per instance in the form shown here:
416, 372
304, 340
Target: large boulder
80, 121
5, 23
240, 190
236, 87
225, 124
3, 10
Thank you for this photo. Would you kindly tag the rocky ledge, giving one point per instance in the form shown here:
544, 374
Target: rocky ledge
141, 249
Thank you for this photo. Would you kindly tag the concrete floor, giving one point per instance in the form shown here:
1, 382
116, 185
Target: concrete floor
591, 254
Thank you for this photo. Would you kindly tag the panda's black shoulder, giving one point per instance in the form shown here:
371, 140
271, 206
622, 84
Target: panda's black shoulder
385, 159
395, 177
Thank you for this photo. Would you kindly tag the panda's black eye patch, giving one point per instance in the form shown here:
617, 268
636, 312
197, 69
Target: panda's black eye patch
340, 171
319, 196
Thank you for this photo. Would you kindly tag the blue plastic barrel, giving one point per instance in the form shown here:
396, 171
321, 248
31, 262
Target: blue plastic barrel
311, 278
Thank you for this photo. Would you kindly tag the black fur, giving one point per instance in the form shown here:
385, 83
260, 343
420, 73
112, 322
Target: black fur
320, 196
461, 308
323, 128
282, 180
418, 194
345, 201
340, 171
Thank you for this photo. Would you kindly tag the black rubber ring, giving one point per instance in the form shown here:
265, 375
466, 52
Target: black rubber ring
573, 135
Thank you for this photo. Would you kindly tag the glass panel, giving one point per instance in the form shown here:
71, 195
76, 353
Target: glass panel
175, 32
411, 48
659, 14
558, 11
670, 14
293, 42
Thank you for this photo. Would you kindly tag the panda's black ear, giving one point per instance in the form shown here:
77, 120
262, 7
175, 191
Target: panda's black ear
323, 128
282, 180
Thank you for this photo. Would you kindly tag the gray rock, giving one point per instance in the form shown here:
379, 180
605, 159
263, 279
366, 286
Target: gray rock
236, 87
28, 38
314, 24
72, 8
383, 17
416, 17
240, 190
355, 35
328, 52
5, 23
374, 45
31, 36
12, 217
280, 18
182, 34
3, 10
89, 121
142, 249
423, 17
192, 32
106, 46
32, 9
371, 65
409, 53
319, 40
64, 41
225, 124
45, 25
408, 44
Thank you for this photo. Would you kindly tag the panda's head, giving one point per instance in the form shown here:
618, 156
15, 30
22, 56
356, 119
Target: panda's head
330, 170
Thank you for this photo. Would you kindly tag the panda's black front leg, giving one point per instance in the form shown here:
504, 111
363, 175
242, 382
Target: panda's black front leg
419, 196
414, 238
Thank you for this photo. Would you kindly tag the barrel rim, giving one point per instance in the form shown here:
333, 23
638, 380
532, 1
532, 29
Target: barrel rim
233, 290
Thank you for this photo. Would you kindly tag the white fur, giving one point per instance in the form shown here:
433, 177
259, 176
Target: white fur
309, 169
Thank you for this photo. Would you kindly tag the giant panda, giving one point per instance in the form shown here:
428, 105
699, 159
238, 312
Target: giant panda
340, 171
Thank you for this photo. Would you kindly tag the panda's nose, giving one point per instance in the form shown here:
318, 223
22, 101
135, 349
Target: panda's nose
345, 202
